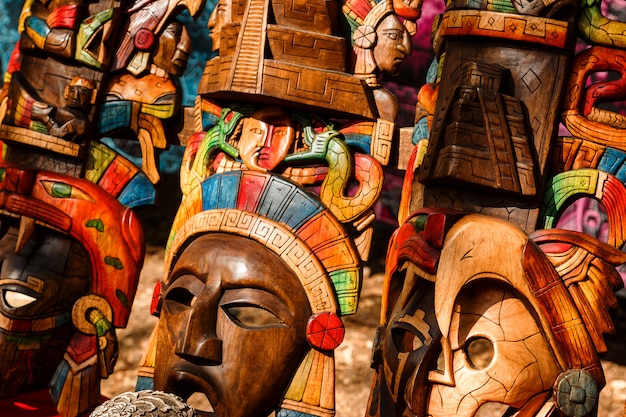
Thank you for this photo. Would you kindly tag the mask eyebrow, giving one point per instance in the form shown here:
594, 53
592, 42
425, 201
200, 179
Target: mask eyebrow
187, 279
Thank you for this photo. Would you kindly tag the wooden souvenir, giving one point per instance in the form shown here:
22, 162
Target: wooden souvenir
472, 304
495, 118
71, 247
73, 254
279, 180
486, 299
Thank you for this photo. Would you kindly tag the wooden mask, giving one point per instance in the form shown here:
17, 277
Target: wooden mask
251, 241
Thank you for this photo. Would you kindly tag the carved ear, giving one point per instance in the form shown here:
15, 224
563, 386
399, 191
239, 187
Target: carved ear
365, 37
325, 331
576, 392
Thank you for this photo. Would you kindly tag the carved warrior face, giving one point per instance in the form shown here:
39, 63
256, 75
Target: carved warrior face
38, 287
232, 326
498, 354
79, 93
393, 45
266, 138
471, 331
219, 16
174, 49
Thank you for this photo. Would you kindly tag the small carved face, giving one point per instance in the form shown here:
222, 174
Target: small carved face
219, 16
232, 326
393, 45
78, 96
38, 288
266, 139
174, 49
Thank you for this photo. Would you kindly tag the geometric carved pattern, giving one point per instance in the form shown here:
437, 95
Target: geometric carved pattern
480, 137
290, 45
537, 30
286, 219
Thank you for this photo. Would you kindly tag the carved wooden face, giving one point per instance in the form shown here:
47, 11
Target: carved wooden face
174, 49
498, 354
265, 139
393, 44
467, 336
219, 16
232, 326
410, 342
38, 288
78, 96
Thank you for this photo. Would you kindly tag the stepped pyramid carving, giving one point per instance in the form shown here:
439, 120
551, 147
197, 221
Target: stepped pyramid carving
285, 52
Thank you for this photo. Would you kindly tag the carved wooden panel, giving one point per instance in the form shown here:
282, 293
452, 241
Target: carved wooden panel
280, 178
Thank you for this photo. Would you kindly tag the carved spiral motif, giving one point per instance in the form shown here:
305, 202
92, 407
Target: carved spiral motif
144, 403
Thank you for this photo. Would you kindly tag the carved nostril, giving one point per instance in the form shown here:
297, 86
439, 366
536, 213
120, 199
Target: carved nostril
207, 351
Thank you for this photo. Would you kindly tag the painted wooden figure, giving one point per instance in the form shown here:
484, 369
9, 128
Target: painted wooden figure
486, 299
279, 182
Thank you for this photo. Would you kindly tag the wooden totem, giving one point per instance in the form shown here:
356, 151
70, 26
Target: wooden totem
72, 248
264, 256
486, 299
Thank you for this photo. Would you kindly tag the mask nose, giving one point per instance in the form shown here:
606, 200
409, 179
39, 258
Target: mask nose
198, 342
265, 139
406, 46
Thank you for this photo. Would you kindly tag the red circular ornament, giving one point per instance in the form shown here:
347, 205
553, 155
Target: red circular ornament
325, 331
144, 38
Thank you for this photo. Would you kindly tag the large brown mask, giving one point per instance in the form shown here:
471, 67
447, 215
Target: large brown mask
232, 326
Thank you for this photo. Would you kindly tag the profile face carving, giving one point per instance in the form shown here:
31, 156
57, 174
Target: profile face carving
174, 49
266, 138
38, 286
410, 341
219, 16
393, 45
233, 315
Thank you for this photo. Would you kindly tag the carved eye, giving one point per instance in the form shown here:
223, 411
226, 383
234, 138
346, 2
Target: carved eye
15, 299
392, 35
182, 293
178, 300
479, 352
251, 316
256, 131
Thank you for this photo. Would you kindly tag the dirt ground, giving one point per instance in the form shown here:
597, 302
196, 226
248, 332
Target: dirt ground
352, 357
